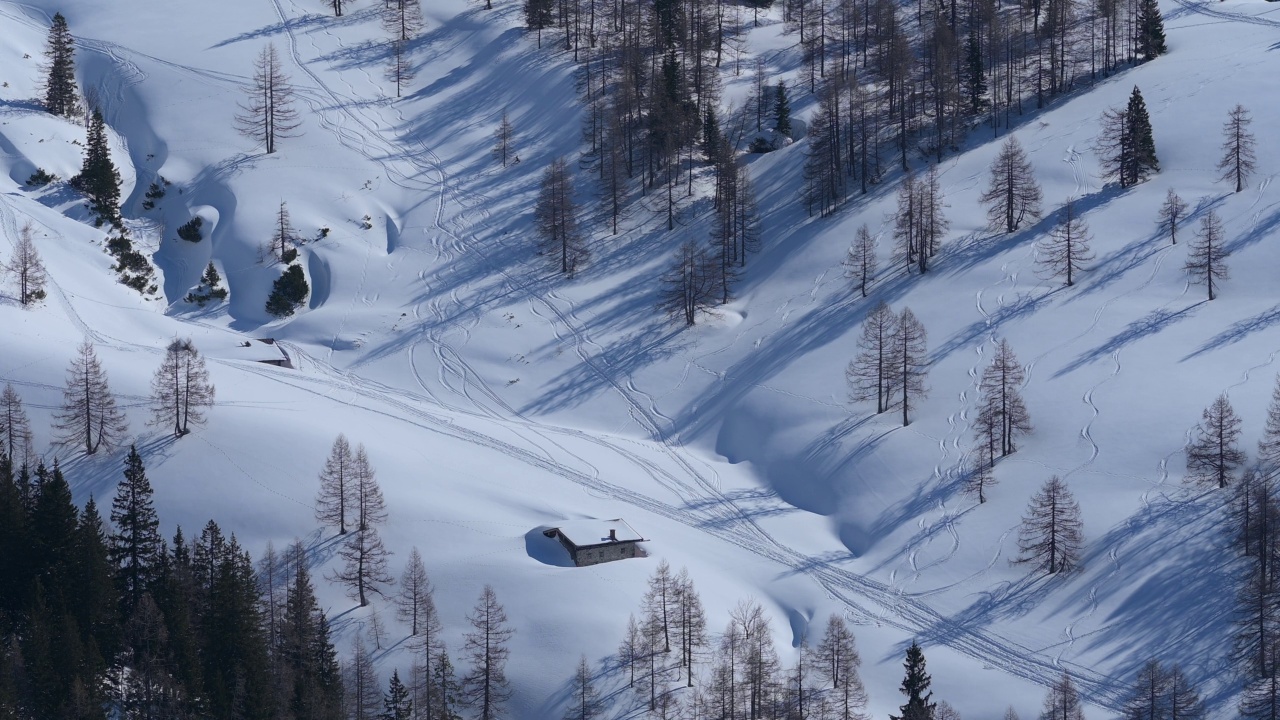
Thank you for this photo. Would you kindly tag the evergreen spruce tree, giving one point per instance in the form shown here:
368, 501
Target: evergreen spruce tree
915, 685
396, 704
98, 179
60, 83
1151, 43
782, 110
1126, 145
135, 545
288, 293
975, 75
1144, 147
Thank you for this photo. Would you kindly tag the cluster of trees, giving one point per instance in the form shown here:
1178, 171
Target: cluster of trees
892, 361
1002, 417
667, 649
97, 616
290, 290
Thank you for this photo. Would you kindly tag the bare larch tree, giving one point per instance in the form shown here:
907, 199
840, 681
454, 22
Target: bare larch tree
1207, 256
15, 430
283, 244
1002, 402
1238, 159
556, 220
335, 503
1172, 212
910, 361
27, 269
1215, 455
180, 390
268, 113
860, 265
1065, 249
1050, 536
689, 286
402, 19
502, 138
870, 374
485, 687
1012, 195
365, 557
89, 416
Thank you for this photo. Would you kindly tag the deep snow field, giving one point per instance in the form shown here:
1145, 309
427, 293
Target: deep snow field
495, 400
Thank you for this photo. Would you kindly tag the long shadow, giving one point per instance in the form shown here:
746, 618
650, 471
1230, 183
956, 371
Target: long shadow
1237, 332
299, 24
1146, 326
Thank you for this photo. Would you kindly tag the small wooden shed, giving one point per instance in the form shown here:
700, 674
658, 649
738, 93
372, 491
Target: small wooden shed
591, 542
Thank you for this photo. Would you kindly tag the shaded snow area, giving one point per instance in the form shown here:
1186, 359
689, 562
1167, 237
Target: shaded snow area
496, 400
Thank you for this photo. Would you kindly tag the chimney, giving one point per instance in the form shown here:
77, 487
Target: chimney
613, 535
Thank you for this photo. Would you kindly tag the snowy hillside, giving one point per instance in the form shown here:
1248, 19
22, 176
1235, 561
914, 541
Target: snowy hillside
496, 399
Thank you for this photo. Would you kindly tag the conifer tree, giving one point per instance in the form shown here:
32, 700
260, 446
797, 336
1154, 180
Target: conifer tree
88, 416
1214, 456
689, 285
860, 265
781, 110
915, 685
365, 557
268, 114
539, 14
1207, 255
402, 19
15, 430
1151, 43
1012, 194
60, 83
1238, 159
1066, 248
364, 700
1001, 401
690, 623
135, 546
1184, 701
210, 287
1172, 212
288, 293
284, 238
396, 705
180, 390
27, 269
334, 504
98, 179
485, 687
871, 373
1050, 536
415, 602
1126, 145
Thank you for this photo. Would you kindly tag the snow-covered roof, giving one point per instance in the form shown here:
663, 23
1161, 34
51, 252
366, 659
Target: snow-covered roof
226, 345
585, 533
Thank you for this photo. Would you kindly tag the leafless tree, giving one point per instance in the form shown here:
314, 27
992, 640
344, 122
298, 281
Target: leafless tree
89, 416
15, 430
268, 113
180, 390
284, 237
502, 139
1066, 248
337, 7
910, 361
1172, 212
584, 699
1012, 194
1207, 256
27, 269
485, 687
364, 692
1268, 445
415, 601
365, 558
335, 503
402, 19
871, 373
1002, 402
689, 286
838, 661
1063, 701
1215, 455
1050, 536
690, 623
981, 471
1238, 159
860, 264
556, 220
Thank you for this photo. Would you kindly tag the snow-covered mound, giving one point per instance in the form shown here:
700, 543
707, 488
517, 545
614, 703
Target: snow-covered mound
495, 400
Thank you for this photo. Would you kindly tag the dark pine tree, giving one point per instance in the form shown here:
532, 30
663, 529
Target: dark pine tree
98, 179
1151, 42
135, 546
915, 685
782, 110
60, 84
288, 293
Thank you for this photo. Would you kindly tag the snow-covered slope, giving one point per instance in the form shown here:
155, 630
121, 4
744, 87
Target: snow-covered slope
495, 400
